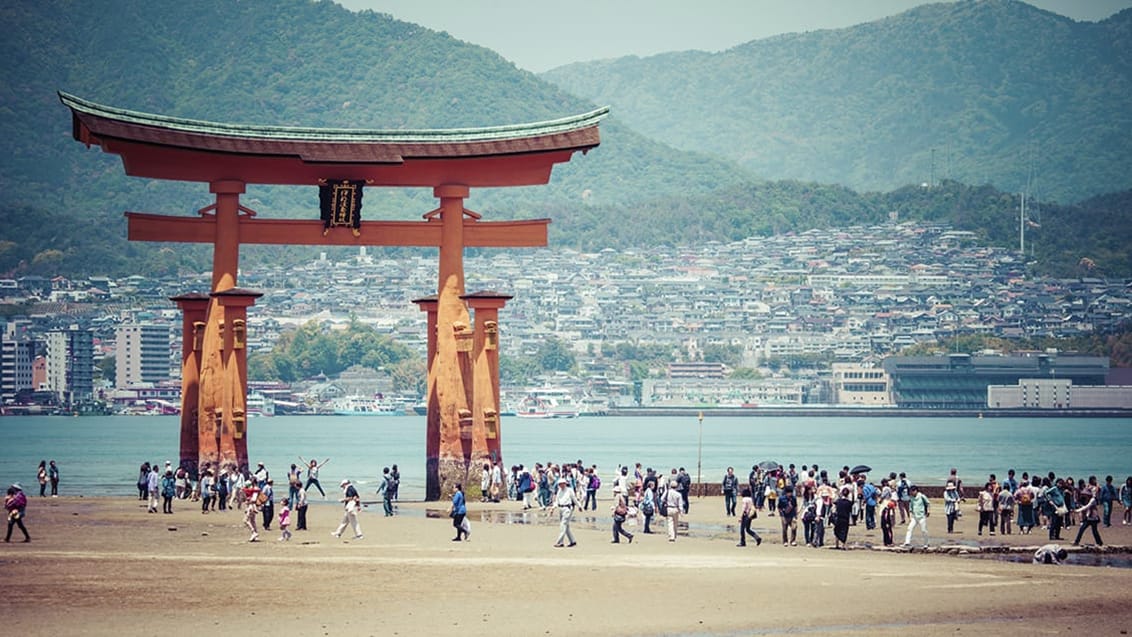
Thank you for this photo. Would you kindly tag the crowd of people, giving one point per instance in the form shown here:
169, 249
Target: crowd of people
810, 496
816, 499
219, 489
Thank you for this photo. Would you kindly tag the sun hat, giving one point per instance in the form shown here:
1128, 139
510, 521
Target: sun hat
563, 481
344, 482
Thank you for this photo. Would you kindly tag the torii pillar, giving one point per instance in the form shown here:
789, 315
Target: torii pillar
194, 308
487, 428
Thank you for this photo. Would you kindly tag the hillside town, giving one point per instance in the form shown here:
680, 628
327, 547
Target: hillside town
846, 302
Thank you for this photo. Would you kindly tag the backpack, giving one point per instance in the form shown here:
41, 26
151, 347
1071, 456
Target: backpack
647, 506
261, 499
595, 482
663, 510
786, 507
1026, 497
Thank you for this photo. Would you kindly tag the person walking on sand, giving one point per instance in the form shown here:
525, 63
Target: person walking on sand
674, 502
842, 516
41, 476
565, 501
485, 482
1126, 501
788, 516
950, 505
313, 467
350, 503
648, 506
168, 490
386, 492
206, 488
730, 487
459, 512
15, 504
919, 507
153, 482
294, 483
1005, 511
985, 506
284, 520
887, 517
620, 510
268, 504
747, 515
1090, 514
53, 478
251, 509
1054, 506
903, 497
301, 510
1107, 495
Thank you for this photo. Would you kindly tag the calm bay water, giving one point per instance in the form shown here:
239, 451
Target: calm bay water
101, 455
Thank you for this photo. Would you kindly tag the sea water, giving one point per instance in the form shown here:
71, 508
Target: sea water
101, 455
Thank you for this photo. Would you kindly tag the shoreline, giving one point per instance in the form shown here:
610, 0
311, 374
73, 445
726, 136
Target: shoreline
108, 568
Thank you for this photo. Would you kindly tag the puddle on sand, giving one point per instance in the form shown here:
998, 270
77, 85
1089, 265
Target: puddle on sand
1111, 560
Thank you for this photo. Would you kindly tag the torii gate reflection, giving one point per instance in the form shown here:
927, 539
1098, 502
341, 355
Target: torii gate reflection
463, 365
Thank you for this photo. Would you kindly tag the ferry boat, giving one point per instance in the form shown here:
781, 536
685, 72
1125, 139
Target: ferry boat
547, 402
260, 405
362, 406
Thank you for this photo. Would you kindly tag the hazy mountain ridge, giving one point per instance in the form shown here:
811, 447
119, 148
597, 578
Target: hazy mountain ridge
1001, 90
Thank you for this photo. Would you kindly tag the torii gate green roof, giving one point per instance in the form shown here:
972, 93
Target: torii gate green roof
163, 147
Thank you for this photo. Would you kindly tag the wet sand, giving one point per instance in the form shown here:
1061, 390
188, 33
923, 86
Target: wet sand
103, 566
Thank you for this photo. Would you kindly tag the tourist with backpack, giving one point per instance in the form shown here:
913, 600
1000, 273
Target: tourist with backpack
593, 483
15, 504
788, 516
648, 505
904, 497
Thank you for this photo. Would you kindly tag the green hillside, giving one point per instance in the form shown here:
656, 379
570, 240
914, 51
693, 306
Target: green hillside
989, 91
304, 63
288, 62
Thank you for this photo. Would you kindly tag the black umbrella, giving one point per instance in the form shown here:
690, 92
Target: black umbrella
769, 465
861, 468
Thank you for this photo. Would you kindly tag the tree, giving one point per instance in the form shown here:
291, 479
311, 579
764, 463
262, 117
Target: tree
554, 356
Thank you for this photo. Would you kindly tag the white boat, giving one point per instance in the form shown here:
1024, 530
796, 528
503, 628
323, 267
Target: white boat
547, 402
260, 405
362, 406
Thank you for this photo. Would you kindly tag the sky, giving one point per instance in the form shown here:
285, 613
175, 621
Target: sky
538, 35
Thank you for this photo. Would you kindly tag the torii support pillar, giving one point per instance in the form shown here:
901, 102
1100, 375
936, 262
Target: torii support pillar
428, 304
194, 307
486, 425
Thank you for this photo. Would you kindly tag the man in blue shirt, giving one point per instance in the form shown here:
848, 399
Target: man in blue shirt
869, 495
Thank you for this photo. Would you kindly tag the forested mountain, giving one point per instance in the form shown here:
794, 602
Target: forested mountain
994, 91
306, 63
286, 62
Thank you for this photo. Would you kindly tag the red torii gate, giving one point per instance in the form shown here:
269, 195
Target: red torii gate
463, 364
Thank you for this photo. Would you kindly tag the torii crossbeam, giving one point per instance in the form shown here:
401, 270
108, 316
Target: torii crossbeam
463, 427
